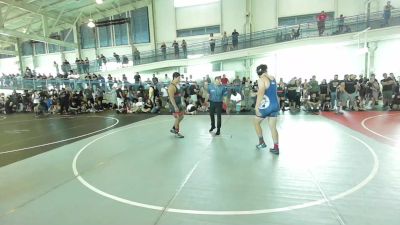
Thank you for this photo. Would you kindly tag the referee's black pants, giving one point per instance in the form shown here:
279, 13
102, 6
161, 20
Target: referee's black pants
215, 107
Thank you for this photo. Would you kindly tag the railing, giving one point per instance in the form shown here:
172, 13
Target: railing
266, 37
282, 34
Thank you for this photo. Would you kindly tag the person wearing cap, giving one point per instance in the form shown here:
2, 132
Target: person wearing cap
175, 99
216, 93
267, 106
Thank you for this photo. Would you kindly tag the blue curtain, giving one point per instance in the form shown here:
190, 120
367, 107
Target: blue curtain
105, 35
140, 25
121, 31
87, 36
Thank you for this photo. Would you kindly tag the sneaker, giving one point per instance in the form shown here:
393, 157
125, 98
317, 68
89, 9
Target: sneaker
261, 146
211, 129
274, 151
173, 131
178, 135
218, 132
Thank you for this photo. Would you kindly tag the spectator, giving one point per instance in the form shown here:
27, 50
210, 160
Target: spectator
157, 105
154, 79
55, 64
224, 42
212, 43
321, 18
166, 79
175, 45
281, 94
99, 62
323, 88
314, 103
235, 39
164, 50
208, 79
136, 56
387, 12
387, 90
125, 60
117, 58
291, 93
296, 33
224, 80
340, 24
396, 102
184, 48
87, 65
137, 78
104, 60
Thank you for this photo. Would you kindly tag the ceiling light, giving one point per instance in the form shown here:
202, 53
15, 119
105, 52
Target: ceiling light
91, 23
99, 2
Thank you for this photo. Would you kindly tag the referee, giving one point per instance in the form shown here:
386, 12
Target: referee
216, 94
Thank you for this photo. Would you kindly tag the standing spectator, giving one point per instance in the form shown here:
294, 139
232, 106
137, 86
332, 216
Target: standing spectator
323, 88
55, 64
340, 24
224, 80
166, 79
296, 33
110, 81
125, 60
99, 63
137, 78
387, 12
208, 79
184, 48
235, 39
164, 50
211, 39
224, 42
321, 18
117, 58
136, 56
387, 90
175, 45
104, 60
154, 80
87, 65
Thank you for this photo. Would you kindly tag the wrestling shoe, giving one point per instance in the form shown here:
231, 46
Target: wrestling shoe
261, 146
178, 135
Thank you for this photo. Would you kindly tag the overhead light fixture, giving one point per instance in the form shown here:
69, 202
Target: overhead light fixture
91, 23
99, 2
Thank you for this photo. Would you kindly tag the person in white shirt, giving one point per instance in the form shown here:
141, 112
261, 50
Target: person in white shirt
236, 99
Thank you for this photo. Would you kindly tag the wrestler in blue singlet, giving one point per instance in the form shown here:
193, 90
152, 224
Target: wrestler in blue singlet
269, 106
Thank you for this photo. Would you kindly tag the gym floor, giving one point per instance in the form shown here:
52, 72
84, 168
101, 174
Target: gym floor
128, 169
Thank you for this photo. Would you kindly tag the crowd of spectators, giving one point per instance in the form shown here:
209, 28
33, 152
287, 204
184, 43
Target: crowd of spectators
95, 93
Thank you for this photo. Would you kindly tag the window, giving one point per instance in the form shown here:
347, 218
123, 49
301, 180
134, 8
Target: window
140, 25
87, 36
185, 3
104, 34
27, 48
295, 20
121, 31
67, 36
54, 48
199, 31
39, 48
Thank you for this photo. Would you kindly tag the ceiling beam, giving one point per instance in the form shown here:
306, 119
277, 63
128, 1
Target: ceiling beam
33, 9
14, 33
7, 39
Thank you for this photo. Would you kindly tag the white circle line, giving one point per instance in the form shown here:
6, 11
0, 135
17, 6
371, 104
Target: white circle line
68, 139
371, 175
374, 132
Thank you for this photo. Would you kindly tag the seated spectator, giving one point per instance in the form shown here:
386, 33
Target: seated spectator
157, 106
191, 109
236, 99
314, 103
148, 106
396, 102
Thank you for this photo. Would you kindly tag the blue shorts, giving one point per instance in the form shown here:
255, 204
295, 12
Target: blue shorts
269, 112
